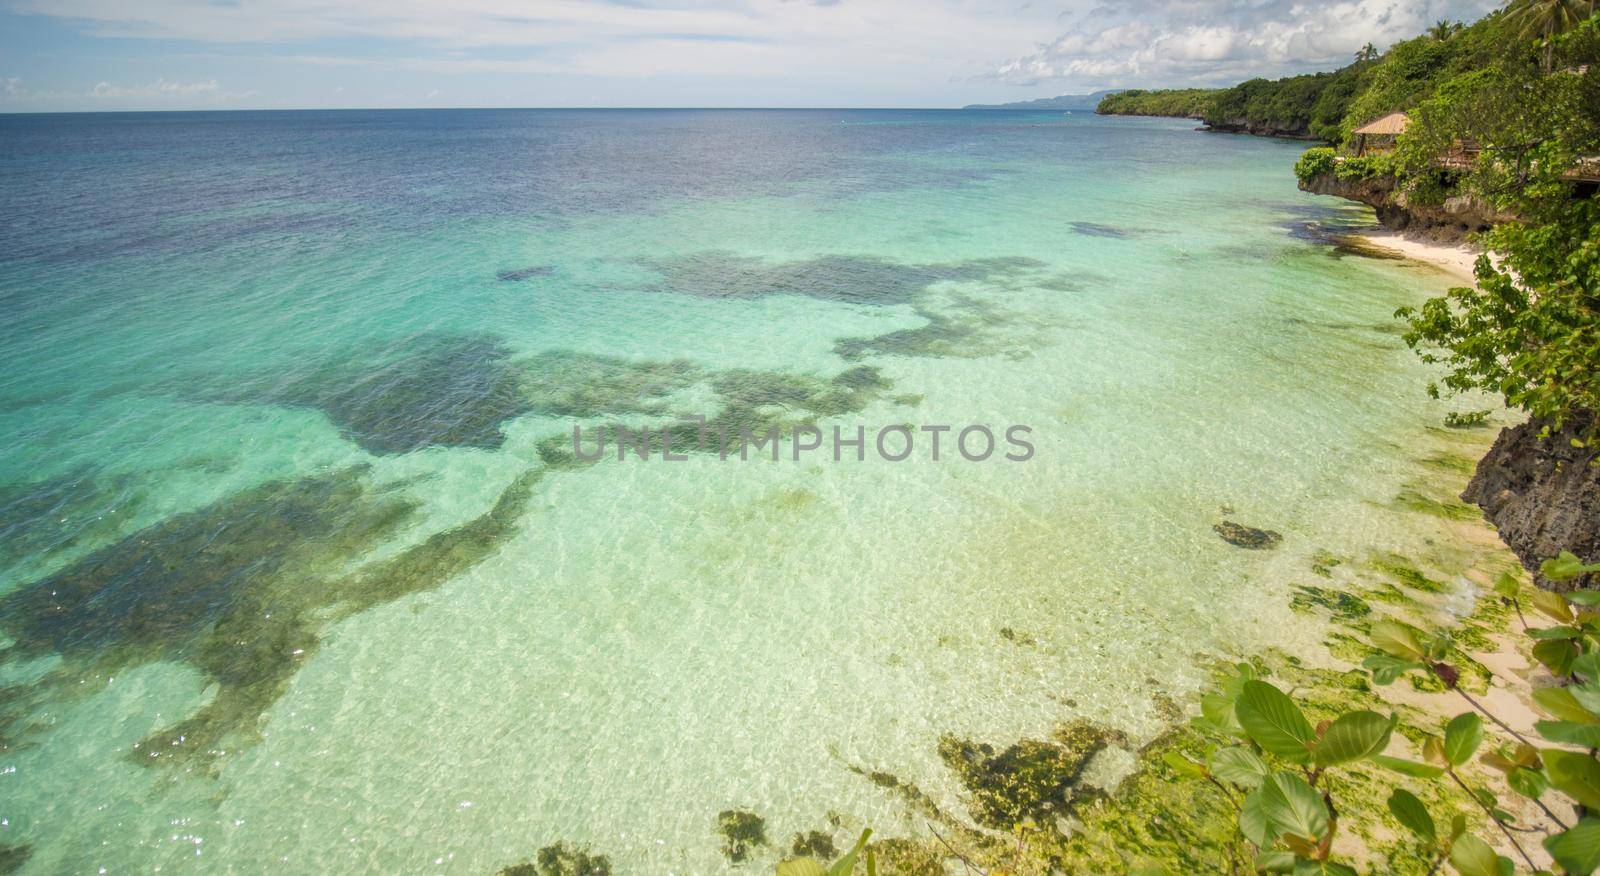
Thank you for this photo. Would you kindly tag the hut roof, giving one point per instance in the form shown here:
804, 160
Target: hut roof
1391, 124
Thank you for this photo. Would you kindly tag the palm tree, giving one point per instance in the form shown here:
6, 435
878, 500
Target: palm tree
1368, 52
1444, 29
1546, 20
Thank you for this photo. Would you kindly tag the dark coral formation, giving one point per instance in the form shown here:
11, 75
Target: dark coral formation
517, 275
240, 590
562, 859
845, 279
741, 832
970, 330
567, 384
1030, 780
44, 517
1097, 229
12, 858
1247, 536
813, 844
429, 390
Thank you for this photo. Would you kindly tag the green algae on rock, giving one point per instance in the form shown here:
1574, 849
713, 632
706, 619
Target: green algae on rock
741, 832
1030, 780
813, 844
562, 859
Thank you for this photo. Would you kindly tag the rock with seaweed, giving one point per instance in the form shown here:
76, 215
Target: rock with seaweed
742, 832
241, 590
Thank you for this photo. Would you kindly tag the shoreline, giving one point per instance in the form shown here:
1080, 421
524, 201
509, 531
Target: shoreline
1457, 260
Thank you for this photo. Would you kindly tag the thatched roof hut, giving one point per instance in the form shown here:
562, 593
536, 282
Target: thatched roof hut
1380, 135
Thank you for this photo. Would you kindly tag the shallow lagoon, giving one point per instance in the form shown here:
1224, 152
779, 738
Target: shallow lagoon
293, 577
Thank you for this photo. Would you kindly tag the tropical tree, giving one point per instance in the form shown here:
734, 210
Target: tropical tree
1369, 52
1547, 19
1444, 29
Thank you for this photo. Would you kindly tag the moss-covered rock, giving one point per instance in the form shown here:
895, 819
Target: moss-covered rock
1029, 781
741, 832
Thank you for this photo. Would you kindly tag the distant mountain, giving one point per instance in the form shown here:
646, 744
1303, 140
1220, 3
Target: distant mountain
1064, 102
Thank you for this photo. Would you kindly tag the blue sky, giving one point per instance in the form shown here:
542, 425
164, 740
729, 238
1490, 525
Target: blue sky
214, 54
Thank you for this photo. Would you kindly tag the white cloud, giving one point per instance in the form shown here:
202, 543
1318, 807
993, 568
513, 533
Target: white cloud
164, 91
1206, 41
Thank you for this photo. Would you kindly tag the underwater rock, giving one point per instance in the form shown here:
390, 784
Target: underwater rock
567, 384
521, 274
431, 390
1016, 638
813, 844
1247, 536
846, 279
12, 858
1096, 229
41, 518
741, 831
562, 859
240, 590
1029, 780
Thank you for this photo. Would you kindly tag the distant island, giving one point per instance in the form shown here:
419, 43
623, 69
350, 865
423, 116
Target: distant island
1063, 102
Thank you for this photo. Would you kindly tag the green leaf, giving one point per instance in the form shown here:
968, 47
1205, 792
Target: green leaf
1560, 702
1576, 775
1274, 722
1408, 767
801, 867
1578, 849
1354, 736
1507, 585
1239, 765
1588, 666
1529, 783
1397, 640
1570, 732
1386, 669
1303, 867
1218, 709
1409, 811
1462, 736
1584, 598
1561, 632
1552, 605
1565, 567
1293, 807
1556, 655
1253, 821
1182, 765
1278, 861
847, 864
1473, 857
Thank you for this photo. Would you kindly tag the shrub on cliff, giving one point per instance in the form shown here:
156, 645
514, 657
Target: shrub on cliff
1531, 330
1314, 163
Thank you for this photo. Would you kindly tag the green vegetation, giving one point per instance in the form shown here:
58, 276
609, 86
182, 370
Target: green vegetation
1513, 101
1191, 103
1531, 329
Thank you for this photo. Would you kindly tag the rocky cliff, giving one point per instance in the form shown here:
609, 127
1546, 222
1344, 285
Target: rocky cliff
1542, 493
1260, 128
1451, 221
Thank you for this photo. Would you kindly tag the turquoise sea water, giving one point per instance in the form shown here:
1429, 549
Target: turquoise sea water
294, 574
